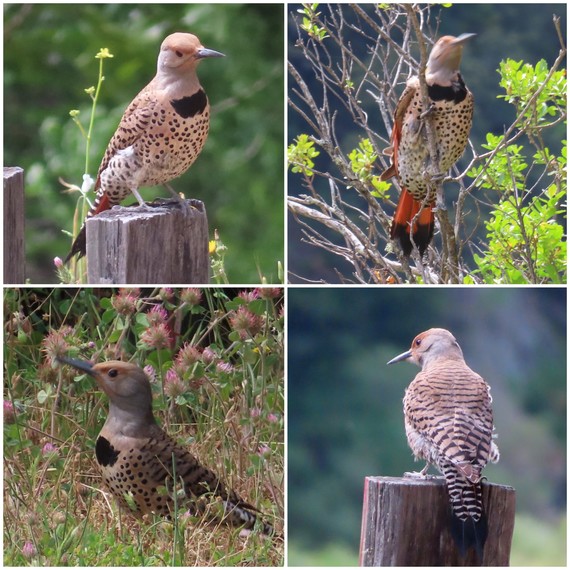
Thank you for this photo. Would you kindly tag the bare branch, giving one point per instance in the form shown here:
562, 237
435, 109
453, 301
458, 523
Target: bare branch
344, 85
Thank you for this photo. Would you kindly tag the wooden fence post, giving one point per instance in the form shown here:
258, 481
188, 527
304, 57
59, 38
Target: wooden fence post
405, 522
167, 245
14, 255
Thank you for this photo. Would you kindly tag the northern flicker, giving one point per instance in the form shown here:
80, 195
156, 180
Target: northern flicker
162, 132
449, 424
452, 106
142, 465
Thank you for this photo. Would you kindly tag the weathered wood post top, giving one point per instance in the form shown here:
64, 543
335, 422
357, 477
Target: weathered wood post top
406, 522
164, 243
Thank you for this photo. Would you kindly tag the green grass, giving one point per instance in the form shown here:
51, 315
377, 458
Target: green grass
535, 543
227, 407
538, 542
331, 555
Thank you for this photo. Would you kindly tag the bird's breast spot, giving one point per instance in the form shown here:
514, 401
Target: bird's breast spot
106, 454
190, 106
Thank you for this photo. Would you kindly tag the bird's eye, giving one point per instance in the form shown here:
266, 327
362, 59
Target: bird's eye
113, 372
179, 53
418, 341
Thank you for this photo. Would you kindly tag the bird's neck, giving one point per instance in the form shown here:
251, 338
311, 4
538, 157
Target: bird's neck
176, 85
433, 360
442, 76
128, 422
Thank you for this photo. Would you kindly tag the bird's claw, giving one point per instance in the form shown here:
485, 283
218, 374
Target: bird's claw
418, 475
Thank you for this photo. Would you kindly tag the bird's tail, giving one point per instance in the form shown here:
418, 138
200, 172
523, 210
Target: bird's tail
242, 515
210, 498
79, 245
468, 534
468, 521
422, 230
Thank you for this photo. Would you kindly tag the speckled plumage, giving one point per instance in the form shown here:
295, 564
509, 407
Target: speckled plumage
161, 133
449, 424
452, 107
143, 467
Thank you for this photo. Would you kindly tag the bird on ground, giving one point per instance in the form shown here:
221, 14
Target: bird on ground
143, 467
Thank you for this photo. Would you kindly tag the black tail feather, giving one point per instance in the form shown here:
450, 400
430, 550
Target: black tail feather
469, 534
78, 246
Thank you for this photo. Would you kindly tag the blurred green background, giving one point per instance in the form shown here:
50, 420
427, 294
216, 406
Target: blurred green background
345, 405
49, 59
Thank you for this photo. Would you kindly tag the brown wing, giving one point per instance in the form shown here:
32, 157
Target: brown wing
132, 126
399, 114
175, 463
472, 431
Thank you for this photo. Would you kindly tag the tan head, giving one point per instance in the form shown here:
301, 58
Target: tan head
444, 60
429, 346
127, 386
182, 52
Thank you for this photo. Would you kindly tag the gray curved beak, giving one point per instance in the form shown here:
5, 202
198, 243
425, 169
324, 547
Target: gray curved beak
400, 357
205, 52
463, 38
82, 365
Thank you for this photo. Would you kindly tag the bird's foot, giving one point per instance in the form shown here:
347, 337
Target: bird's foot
180, 198
141, 202
418, 475
432, 178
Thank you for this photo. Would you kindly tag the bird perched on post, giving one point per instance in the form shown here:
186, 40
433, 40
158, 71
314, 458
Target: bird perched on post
162, 132
452, 106
449, 423
141, 464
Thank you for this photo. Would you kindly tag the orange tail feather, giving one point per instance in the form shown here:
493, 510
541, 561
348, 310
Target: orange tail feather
421, 233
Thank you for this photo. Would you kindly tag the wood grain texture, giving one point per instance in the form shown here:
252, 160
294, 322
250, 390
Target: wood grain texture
14, 255
165, 245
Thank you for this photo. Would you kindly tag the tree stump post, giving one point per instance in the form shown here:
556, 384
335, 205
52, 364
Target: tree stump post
406, 521
14, 255
166, 244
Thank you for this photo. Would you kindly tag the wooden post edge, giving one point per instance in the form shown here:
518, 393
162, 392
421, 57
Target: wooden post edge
14, 226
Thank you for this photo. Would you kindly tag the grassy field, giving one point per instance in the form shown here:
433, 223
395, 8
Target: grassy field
216, 366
